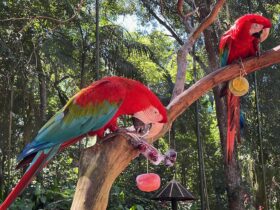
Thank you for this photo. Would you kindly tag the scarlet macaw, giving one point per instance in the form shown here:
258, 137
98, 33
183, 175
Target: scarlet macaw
239, 42
90, 112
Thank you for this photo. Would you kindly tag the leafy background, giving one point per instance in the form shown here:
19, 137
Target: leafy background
43, 63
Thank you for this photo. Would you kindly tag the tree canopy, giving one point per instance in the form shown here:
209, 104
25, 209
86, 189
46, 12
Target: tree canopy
48, 53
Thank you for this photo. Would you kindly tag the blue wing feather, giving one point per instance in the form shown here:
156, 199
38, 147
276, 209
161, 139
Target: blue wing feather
224, 57
225, 47
68, 123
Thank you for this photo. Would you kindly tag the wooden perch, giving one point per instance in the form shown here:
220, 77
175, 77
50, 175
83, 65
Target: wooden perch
102, 164
189, 96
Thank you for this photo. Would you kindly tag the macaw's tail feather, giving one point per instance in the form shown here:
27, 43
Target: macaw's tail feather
39, 161
28, 159
233, 123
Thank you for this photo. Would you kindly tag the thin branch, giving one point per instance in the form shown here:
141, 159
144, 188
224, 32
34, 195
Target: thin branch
180, 10
201, 87
38, 17
187, 46
175, 36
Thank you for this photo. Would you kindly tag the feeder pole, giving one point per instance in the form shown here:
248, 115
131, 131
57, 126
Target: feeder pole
174, 204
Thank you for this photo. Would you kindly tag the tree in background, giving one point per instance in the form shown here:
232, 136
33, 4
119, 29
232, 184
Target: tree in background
45, 61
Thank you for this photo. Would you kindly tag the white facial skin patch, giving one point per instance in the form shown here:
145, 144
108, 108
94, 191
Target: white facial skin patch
149, 115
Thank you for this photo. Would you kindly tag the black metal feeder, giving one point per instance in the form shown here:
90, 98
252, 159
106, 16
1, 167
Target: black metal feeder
174, 191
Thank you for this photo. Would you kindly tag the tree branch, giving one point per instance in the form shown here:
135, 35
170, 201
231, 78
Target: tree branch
173, 33
58, 21
187, 46
189, 96
102, 164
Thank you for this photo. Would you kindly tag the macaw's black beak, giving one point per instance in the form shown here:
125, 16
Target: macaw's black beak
262, 35
139, 126
257, 34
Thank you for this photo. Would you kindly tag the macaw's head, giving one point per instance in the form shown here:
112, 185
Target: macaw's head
150, 113
253, 25
150, 120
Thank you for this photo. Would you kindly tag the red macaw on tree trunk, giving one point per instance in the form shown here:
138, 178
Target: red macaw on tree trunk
239, 42
90, 112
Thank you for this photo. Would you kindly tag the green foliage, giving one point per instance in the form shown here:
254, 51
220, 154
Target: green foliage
66, 54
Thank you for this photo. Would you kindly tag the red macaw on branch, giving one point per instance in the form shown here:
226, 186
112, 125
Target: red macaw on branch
90, 112
239, 42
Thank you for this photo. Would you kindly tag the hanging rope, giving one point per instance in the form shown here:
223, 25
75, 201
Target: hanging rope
259, 127
174, 147
147, 165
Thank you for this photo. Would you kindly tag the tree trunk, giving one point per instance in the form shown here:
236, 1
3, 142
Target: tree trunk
99, 167
101, 164
10, 132
260, 195
42, 89
232, 170
4, 117
82, 57
97, 48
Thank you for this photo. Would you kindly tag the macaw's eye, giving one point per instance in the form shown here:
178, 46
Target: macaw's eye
255, 28
153, 114
255, 25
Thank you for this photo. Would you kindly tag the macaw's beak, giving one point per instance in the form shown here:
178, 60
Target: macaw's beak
149, 130
140, 126
264, 34
154, 130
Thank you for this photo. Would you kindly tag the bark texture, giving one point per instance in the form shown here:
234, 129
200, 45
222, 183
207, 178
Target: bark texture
99, 167
101, 164
186, 48
232, 171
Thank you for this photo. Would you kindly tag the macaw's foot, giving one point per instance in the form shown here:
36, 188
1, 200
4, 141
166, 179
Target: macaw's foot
138, 130
258, 53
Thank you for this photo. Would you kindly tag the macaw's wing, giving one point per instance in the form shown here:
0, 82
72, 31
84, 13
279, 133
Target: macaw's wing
88, 111
224, 49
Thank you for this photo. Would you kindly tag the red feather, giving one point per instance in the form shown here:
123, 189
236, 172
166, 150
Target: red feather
24, 181
239, 44
130, 96
233, 113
